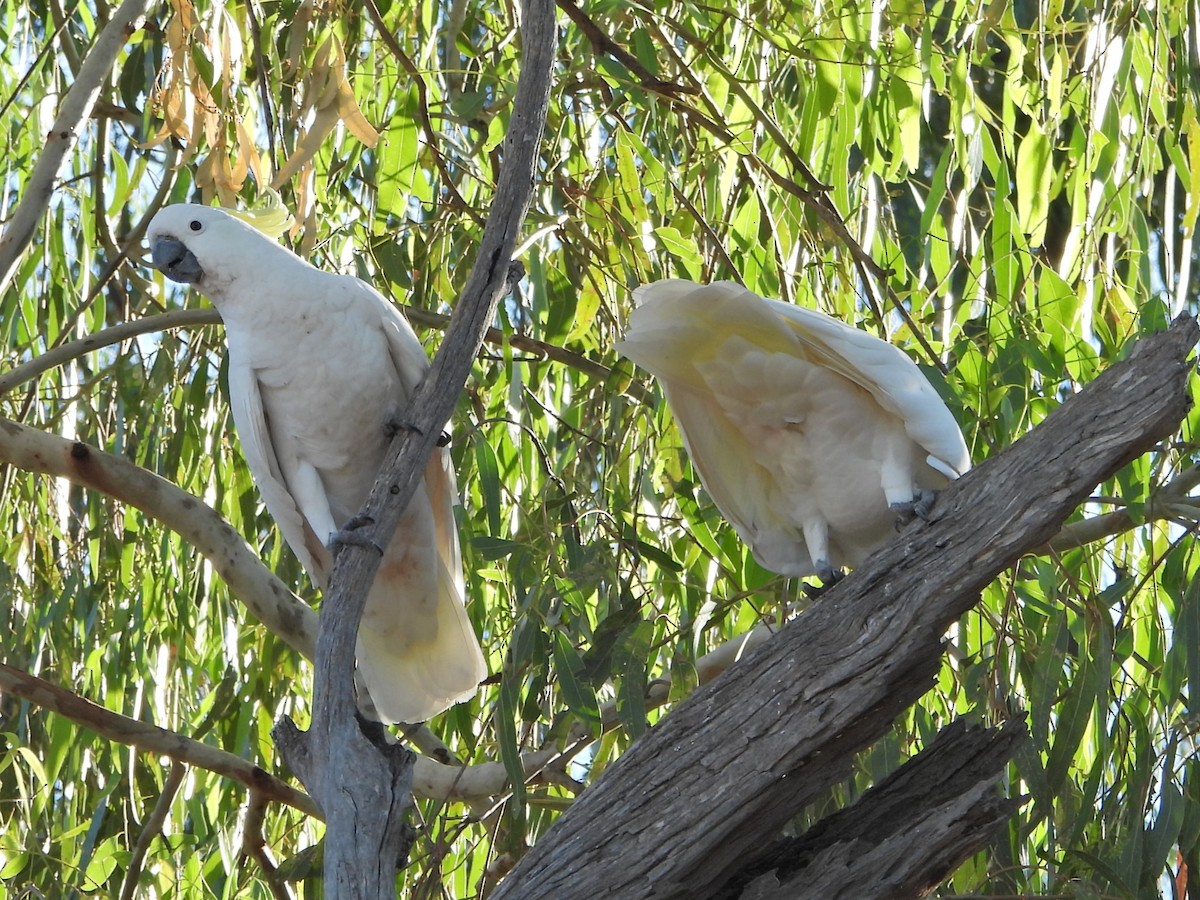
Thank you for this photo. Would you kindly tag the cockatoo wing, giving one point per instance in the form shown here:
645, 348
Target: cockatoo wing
442, 657
258, 449
743, 491
671, 333
876, 366
889, 375
803, 429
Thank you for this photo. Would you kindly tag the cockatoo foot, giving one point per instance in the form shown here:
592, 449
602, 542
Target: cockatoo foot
393, 427
350, 537
918, 508
829, 577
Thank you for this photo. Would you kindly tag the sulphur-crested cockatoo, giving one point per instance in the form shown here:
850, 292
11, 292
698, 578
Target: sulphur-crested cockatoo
320, 369
810, 436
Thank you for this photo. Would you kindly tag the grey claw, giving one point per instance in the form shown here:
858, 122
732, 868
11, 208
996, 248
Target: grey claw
393, 427
350, 537
918, 508
829, 577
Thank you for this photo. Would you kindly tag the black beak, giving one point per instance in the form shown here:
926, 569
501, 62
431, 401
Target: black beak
176, 261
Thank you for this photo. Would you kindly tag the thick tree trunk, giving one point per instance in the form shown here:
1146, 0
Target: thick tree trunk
700, 799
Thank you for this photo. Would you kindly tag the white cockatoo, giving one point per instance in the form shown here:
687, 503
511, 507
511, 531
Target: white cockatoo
811, 436
321, 368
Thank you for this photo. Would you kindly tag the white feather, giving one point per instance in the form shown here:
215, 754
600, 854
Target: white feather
804, 431
319, 365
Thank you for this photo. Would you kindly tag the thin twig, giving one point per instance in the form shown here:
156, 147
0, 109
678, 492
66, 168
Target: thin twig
64, 353
254, 845
602, 43
186, 318
152, 828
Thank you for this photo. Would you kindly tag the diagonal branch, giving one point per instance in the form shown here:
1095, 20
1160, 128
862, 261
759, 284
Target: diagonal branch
285, 614
948, 793
64, 353
151, 738
76, 107
775, 731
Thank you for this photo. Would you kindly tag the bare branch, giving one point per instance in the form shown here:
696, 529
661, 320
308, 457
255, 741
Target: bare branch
186, 318
362, 786
152, 827
64, 353
285, 614
1171, 501
254, 845
948, 794
150, 738
75, 110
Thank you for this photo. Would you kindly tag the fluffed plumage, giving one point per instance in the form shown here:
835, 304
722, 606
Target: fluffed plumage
320, 367
809, 435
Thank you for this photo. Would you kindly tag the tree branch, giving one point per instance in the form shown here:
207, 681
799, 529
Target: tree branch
285, 614
76, 108
150, 738
64, 353
152, 828
775, 731
363, 787
948, 793
186, 318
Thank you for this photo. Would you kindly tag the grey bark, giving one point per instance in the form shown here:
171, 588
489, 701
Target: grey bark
904, 835
693, 802
361, 784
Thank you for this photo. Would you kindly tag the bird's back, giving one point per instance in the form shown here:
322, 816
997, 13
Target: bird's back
800, 441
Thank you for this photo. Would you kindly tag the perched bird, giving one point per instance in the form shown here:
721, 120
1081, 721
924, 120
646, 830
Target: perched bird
810, 436
321, 368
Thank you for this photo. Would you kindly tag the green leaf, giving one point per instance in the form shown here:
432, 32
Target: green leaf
629, 660
488, 471
1034, 175
568, 665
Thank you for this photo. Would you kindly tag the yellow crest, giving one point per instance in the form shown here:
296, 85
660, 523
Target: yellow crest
272, 218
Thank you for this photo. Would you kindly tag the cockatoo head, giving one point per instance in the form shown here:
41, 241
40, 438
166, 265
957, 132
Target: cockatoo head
208, 247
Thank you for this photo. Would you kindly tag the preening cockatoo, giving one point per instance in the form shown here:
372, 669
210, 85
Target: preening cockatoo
321, 367
808, 434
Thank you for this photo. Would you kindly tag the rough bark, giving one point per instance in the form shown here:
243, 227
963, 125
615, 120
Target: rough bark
944, 800
778, 729
362, 784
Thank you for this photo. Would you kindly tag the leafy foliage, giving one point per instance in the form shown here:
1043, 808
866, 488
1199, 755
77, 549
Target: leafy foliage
1023, 183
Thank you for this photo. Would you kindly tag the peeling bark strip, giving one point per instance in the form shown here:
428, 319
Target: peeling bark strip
700, 798
361, 784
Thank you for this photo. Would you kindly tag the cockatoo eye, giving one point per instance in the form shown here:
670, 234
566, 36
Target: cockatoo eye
196, 225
